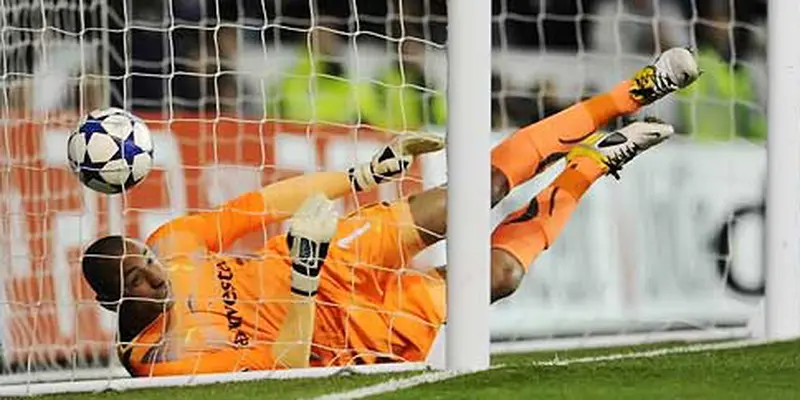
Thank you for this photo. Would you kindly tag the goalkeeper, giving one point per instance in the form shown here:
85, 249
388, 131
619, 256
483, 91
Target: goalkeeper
200, 311
184, 307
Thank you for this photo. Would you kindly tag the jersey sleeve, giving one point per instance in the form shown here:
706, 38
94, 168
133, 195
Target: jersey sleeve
216, 229
251, 212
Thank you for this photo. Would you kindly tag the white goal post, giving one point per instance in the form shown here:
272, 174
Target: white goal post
468, 196
783, 184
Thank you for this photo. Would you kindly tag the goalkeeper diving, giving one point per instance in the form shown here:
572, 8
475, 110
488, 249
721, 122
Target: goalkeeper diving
334, 291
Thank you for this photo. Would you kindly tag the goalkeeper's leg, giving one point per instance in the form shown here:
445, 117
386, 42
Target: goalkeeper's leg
531, 149
530, 230
527, 232
523, 234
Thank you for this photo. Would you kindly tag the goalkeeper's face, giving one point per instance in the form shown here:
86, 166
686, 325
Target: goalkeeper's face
117, 267
143, 275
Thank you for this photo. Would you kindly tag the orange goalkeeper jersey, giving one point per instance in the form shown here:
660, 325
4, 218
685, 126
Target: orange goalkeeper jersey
227, 311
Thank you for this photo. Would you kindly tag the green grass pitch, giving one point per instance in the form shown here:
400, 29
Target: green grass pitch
763, 372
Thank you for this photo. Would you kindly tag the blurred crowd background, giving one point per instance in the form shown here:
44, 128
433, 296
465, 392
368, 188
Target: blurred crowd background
376, 62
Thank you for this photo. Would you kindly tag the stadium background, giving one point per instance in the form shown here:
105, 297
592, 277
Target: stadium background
228, 75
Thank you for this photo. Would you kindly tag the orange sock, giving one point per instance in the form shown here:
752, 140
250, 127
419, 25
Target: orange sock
529, 150
532, 229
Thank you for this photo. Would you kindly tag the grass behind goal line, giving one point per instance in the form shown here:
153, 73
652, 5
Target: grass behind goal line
763, 372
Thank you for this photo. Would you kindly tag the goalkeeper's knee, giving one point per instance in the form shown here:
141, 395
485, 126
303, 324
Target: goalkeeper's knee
507, 274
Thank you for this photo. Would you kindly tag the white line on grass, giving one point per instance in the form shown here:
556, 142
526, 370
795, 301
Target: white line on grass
695, 348
393, 385
431, 377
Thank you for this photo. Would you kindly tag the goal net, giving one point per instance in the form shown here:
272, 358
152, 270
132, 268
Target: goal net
242, 93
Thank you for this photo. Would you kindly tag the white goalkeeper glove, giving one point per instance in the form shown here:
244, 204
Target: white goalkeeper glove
310, 232
393, 159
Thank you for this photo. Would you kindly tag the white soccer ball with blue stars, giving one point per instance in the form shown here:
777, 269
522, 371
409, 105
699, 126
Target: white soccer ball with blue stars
111, 151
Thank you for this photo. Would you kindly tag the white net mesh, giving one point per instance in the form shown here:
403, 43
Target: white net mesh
241, 93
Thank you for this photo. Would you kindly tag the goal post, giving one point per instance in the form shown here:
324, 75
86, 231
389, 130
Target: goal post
468, 197
783, 168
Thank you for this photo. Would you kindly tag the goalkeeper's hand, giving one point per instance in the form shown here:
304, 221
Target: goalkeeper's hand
310, 232
393, 159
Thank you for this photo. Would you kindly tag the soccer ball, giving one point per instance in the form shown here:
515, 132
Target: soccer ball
111, 151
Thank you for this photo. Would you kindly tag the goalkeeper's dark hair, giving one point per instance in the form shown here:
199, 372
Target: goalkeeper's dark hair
102, 267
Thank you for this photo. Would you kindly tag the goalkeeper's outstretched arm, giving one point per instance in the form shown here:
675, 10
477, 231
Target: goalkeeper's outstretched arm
390, 161
278, 201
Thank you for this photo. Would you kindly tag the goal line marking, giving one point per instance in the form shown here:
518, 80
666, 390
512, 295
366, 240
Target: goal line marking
695, 348
394, 385
122, 384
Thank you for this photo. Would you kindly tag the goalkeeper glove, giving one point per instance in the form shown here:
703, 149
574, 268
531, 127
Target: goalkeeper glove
392, 160
310, 231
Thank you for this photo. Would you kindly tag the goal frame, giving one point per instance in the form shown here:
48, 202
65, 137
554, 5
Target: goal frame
468, 180
782, 252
